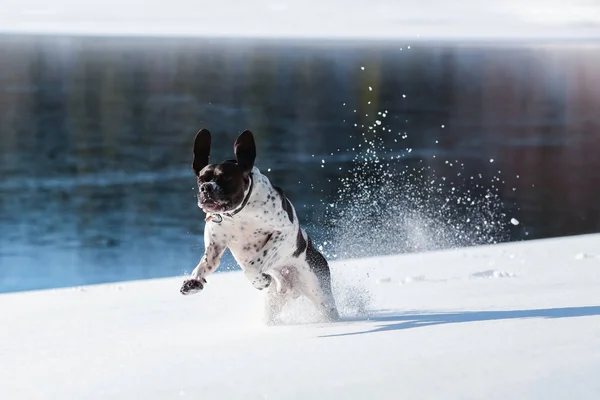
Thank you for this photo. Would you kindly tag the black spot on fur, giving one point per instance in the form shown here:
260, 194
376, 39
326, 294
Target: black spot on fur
264, 253
269, 238
285, 203
300, 244
318, 264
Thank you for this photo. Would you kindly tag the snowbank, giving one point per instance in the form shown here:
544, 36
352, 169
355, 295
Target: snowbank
497, 322
307, 19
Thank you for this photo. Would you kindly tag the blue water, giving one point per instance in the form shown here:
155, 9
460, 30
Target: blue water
95, 139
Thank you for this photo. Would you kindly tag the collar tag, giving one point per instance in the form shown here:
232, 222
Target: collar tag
216, 218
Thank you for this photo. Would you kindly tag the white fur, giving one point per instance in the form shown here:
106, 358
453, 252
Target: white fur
263, 240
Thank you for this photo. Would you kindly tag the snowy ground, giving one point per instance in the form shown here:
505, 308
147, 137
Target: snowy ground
309, 18
510, 321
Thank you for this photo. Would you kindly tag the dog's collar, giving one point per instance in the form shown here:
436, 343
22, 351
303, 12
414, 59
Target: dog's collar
218, 218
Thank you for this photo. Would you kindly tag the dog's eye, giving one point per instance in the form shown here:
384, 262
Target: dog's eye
204, 178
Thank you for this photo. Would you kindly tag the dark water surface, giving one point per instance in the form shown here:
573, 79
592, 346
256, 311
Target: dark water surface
95, 137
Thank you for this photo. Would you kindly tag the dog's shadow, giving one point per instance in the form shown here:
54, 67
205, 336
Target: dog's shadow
399, 321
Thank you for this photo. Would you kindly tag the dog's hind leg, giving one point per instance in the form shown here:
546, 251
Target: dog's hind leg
322, 299
317, 279
274, 303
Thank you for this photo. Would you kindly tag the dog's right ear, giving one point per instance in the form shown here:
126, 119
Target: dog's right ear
245, 151
201, 150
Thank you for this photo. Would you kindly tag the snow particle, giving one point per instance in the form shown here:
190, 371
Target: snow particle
493, 274
514, 221
583, 256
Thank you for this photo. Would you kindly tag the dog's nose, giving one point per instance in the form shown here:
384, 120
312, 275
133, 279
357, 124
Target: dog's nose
206, 187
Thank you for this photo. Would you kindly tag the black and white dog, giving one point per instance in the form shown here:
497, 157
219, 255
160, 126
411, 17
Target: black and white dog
256, 221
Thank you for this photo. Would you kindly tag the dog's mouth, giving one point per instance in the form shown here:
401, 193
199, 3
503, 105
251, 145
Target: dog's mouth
210, 205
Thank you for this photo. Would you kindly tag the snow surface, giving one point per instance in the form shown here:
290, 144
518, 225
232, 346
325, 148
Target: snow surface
508, 321
437, 19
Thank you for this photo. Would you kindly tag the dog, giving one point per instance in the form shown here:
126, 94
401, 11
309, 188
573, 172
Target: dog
258, 223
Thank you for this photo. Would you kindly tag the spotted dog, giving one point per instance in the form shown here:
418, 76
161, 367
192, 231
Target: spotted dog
256, 221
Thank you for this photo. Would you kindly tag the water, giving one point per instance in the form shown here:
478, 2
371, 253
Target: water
96, 134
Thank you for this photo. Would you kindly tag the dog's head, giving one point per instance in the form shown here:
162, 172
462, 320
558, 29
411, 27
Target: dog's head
221, 187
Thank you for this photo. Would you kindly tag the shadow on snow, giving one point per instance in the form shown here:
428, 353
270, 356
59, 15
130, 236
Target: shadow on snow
392, 322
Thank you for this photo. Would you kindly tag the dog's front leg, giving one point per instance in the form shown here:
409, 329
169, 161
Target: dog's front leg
214, 246
263, 261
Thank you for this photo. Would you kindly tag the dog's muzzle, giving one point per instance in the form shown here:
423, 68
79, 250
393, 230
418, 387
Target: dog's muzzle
209, 188
209, 197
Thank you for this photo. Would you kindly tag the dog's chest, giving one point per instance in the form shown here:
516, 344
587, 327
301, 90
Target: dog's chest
247, 232
246, 238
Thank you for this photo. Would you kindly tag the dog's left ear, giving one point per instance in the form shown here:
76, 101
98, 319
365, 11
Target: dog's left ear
201, 150
245, 151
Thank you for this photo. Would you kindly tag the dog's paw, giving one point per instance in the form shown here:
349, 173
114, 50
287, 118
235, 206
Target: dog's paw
192, 286
262, 281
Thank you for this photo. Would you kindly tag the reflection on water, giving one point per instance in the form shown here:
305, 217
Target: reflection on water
95, 137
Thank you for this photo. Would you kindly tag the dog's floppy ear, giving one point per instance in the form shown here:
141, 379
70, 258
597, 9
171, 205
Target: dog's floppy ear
201, 150
245, 151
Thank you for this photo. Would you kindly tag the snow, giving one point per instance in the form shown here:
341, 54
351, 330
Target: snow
435, 19
507, 321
